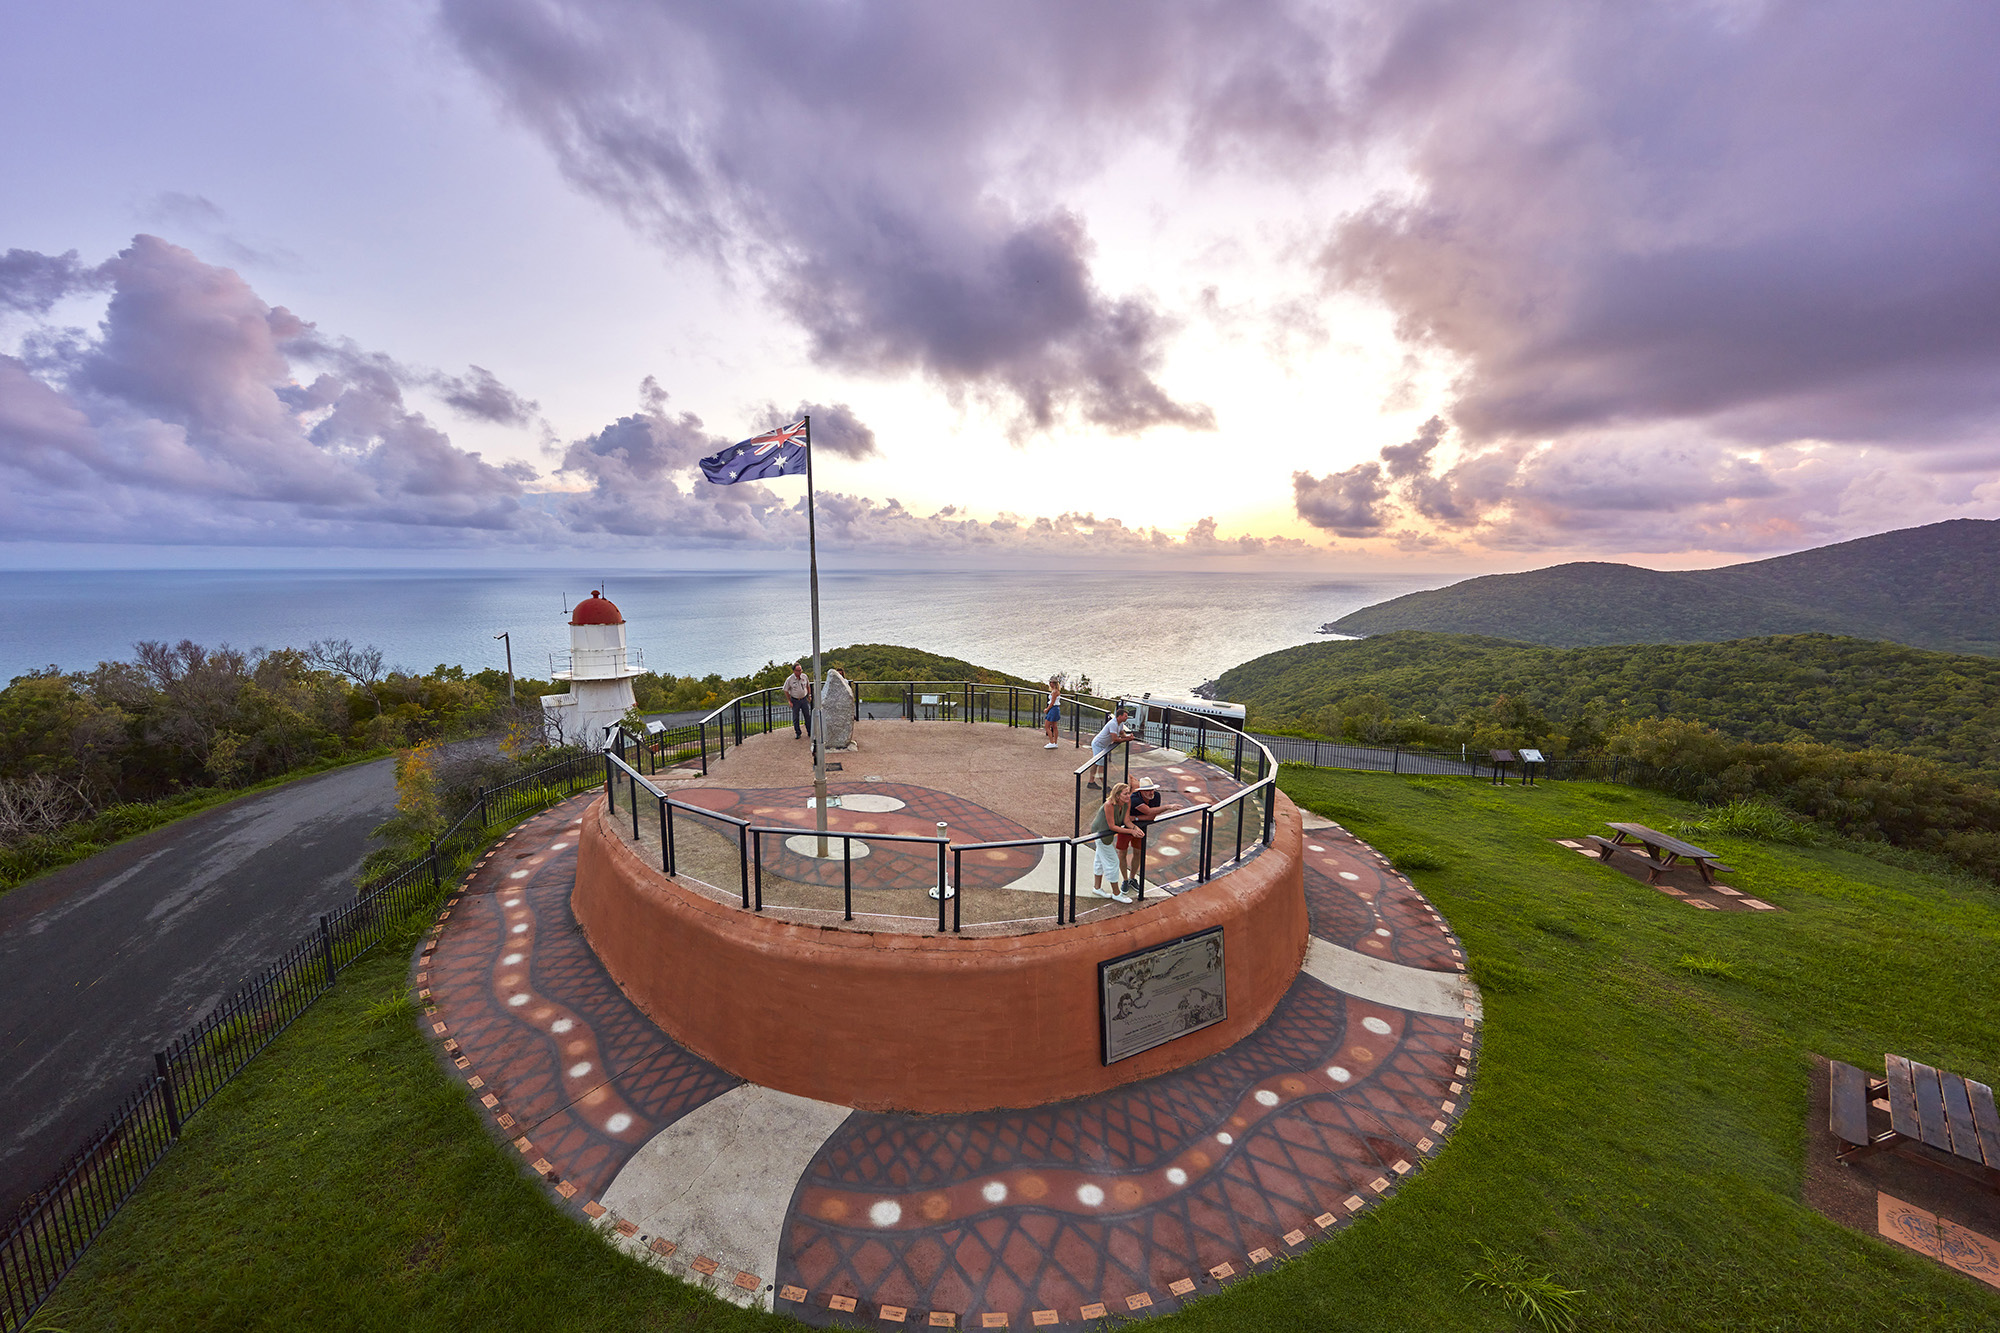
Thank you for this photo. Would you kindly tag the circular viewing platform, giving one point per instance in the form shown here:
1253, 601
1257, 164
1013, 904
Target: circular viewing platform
849, 977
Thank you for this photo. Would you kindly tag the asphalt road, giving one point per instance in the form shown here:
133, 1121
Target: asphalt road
103, 961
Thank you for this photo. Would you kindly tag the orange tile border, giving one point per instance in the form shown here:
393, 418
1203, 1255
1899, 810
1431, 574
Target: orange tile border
791, 1293
705, 1265
993, 1321
664, 1248
1259, 1255
1139, 1300
943, 1319
748, 1281
1295, 1238
844, 1304
626, 1228
593, 1209
1094, 1310
894, 1314
567, 1190
1182, 1287
1045, 1317
1325, 1220
1222, 1271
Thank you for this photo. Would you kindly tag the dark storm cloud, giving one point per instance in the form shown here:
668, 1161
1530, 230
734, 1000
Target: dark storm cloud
1774, 219
893, 168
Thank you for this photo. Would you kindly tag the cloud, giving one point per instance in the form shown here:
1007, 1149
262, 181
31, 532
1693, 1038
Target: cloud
32, 283
479, 393
886, 168
1772, 221
185, 418
1352, 503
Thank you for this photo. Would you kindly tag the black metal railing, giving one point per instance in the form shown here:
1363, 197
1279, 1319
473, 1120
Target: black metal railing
60, 1220
1228, 830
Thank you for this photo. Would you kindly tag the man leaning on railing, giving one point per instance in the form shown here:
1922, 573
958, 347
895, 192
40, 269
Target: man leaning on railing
1105, 743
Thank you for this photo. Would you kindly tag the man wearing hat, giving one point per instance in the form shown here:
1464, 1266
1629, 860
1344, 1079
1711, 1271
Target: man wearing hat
1132, 848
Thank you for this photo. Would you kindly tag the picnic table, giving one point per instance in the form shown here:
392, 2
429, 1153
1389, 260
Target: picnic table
1663, 851
1946, 1111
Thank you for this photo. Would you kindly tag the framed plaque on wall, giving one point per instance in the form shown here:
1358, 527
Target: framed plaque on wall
1153, 995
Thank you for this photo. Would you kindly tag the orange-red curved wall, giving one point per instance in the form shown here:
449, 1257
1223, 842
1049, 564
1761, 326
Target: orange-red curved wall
931, 1023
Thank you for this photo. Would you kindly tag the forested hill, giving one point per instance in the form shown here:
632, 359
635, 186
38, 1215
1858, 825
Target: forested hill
1452, 689
1931, 587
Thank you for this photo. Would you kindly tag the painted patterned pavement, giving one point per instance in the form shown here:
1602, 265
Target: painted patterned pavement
1130, 1202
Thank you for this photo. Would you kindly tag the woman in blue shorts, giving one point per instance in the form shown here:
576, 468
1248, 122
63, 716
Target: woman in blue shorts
1052, 715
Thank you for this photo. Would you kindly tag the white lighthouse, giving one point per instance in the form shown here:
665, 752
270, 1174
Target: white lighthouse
599, 669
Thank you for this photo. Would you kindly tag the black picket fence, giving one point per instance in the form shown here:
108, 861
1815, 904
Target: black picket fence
61, 1219
1691, 784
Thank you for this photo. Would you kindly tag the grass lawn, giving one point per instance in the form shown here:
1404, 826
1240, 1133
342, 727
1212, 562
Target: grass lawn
1636, 1129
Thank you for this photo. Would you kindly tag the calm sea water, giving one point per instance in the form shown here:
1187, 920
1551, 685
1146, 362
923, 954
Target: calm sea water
1130, 631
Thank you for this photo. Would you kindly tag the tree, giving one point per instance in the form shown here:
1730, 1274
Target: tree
363, 666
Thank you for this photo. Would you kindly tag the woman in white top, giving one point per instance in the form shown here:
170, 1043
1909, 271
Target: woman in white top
1052, 714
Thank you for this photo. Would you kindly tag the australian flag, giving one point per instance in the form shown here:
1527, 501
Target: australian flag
778, 453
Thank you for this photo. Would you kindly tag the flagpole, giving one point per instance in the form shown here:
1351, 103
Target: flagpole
819, 677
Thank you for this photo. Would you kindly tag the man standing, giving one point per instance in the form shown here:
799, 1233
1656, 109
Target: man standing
799, 689
1105, 743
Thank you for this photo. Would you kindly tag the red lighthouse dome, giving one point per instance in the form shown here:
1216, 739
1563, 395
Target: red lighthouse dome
596, 610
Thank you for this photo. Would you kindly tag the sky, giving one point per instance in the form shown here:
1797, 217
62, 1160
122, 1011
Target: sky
1425, 284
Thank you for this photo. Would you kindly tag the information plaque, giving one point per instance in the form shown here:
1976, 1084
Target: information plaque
1157, 994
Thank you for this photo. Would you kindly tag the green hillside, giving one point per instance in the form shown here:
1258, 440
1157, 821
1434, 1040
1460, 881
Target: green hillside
1931, 587
1448, 689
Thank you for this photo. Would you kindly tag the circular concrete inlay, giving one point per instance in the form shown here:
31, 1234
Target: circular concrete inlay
866, 801
1376, 1026
807, 844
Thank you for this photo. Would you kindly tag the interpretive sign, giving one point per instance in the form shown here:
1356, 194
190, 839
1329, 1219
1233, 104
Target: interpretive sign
1157, 994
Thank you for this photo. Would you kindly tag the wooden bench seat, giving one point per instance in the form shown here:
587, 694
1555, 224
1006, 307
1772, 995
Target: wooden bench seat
1849, 1090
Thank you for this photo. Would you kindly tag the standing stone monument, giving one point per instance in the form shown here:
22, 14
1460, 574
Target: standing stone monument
837, 711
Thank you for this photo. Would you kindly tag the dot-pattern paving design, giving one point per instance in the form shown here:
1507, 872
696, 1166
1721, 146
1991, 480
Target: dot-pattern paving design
1130, 1192
575, 1069
889, 865
1357, 900
1128, 1202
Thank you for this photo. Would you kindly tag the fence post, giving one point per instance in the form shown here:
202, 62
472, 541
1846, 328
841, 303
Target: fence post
326, 946
610, 789
666, 840
165, 1076
483, 821
667, 815
743, 859
703, 740
1396, 760
437, 875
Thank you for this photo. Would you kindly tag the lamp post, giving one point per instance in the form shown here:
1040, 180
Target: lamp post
502, 635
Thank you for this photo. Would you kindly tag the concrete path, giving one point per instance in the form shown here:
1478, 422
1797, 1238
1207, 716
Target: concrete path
102, 962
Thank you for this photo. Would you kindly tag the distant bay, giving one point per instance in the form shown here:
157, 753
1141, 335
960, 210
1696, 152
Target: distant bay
1157, 631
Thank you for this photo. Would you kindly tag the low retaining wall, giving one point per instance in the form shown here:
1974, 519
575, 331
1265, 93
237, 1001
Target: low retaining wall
931, 1023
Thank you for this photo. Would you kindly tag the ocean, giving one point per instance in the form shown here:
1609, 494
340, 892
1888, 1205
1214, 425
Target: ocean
1163, 632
